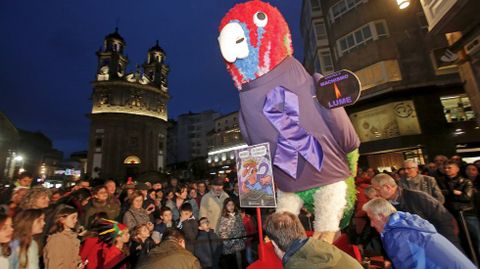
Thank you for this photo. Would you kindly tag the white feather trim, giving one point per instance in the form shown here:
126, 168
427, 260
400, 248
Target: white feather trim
288, 201
329, 205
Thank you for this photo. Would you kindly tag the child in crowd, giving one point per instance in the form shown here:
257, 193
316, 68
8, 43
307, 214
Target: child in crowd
208, 247
115, 236
188, 225
6, 234
249, 225
141, 244
230, 227
63, 247
166, 218
108, 251
27, 223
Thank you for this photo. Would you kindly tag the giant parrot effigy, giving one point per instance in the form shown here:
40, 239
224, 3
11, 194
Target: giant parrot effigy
314, 149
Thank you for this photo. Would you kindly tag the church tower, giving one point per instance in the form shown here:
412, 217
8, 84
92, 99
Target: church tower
154, 67
111, 61
129, 113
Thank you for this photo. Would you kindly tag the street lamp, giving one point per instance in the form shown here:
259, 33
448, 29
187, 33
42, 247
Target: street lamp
402, 4
18, 158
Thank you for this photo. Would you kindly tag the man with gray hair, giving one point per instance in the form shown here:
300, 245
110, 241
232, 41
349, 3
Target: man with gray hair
296, 250
413, 180
420, 203
412, 242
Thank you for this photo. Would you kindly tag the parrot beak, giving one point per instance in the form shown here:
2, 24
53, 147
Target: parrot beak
233, 43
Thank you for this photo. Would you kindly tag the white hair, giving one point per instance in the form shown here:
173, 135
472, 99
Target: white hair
379, 206
413, 162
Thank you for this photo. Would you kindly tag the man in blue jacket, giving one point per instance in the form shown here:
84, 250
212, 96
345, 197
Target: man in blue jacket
412, 242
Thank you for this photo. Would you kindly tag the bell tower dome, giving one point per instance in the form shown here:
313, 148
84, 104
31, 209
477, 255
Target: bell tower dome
155, 67
111, 60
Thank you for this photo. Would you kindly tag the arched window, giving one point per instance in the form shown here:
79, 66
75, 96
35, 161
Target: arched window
132, 159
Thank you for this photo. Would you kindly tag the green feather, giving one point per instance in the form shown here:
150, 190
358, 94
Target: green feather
307, 197
351, 196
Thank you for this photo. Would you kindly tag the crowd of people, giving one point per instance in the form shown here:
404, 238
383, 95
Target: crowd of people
99, 224
440, 197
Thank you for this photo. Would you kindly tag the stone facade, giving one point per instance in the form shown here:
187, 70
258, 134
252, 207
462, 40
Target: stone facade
128, 130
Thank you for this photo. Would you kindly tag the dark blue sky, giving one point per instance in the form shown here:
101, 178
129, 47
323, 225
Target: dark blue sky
47, 54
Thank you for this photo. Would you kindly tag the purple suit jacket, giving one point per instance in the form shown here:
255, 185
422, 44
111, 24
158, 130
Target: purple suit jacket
331, 128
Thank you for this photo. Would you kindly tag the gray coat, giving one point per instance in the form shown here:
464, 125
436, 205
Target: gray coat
134, 217
425, 184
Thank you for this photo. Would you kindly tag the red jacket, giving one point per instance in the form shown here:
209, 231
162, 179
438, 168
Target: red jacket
100, 255
361, 185
91, 251
112, 256
249, 227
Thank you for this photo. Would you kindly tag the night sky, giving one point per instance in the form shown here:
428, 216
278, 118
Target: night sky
48, 57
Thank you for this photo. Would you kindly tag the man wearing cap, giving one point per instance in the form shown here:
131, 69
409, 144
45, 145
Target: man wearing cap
212, 203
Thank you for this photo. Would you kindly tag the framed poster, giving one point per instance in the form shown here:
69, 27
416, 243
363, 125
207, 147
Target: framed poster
255, 176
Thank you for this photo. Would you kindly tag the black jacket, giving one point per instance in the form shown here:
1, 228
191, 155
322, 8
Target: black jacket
139, 250
208, 249
462, 202
190, 228
427, 207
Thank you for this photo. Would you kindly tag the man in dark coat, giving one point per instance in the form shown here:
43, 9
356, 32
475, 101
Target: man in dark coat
460, 198
420, 203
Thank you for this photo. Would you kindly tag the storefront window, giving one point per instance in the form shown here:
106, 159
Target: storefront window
386, 121
457, 108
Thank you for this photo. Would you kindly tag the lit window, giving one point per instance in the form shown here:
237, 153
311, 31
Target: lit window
132, 159
379, 73
457, 108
